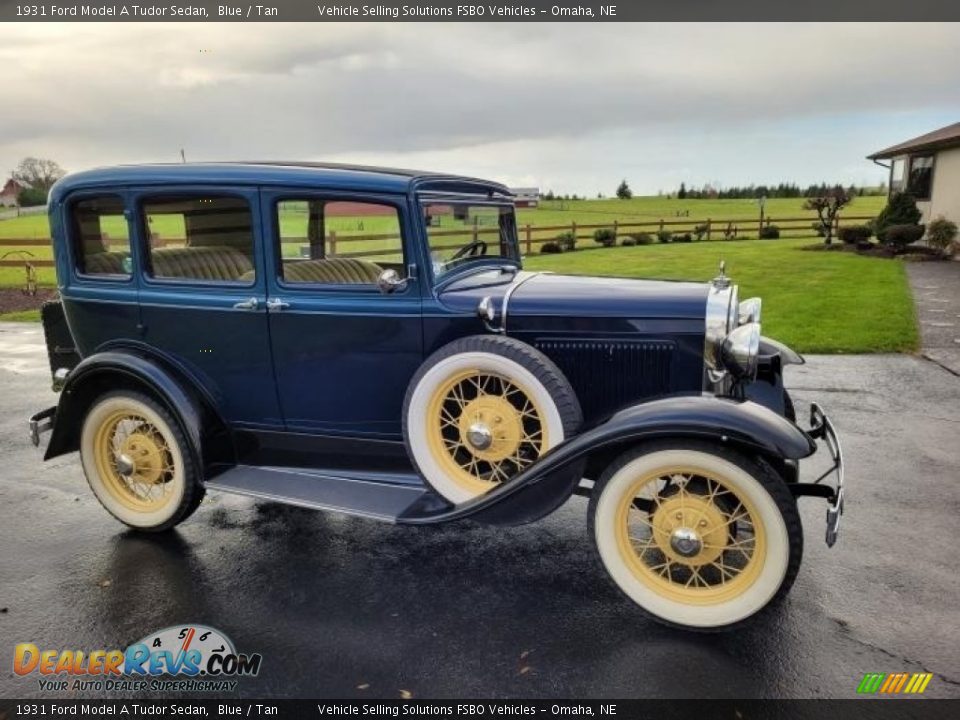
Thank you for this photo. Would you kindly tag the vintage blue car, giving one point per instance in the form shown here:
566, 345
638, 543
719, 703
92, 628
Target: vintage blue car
365, 340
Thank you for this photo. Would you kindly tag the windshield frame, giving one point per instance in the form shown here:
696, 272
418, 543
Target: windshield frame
469, 265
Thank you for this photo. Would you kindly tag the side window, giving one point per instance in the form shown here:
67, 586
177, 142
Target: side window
193, 237
338, 242
101, 237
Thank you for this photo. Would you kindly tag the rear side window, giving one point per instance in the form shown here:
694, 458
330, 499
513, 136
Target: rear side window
200, 237
336, 242
101, 237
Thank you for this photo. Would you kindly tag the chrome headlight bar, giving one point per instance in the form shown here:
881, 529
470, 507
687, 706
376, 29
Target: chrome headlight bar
721, 318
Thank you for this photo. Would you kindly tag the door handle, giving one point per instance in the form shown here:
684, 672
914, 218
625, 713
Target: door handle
276, 305
249, 304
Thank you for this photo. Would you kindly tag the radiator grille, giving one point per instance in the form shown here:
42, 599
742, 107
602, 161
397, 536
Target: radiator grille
608, 374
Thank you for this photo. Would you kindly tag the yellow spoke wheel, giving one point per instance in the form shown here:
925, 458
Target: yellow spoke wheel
133, 460
690, 536
484, 428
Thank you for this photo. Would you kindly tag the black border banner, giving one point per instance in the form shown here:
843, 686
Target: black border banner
886, 709
477, 11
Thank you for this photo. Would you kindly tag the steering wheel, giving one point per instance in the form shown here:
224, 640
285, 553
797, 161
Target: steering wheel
473, 249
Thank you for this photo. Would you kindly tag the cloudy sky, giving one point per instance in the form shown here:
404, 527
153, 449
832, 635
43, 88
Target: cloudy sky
568, 107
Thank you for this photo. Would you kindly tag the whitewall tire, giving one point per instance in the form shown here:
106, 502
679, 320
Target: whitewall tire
698, 536
137, 462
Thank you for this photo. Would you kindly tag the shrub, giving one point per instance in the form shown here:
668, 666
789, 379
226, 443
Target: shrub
550, 247
628, 241
566, 241
664, 236
854, 234
643, 238
700, 231
684, 238
941, 233
770, 232
605, 236
32, 197
899, 236
901, 209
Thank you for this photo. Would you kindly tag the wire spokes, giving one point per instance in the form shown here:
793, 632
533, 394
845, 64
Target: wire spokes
678, 507
508, 426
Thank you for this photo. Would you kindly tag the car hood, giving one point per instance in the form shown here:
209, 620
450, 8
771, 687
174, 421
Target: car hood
531, 294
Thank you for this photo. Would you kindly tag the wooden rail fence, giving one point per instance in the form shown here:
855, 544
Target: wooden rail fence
531, 236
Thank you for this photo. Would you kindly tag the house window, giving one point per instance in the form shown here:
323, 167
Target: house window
101, 236
898, 175
920, 181
332, 242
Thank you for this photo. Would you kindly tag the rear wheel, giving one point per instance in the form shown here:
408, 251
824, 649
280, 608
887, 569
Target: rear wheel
695, 534
137, 462
483, 409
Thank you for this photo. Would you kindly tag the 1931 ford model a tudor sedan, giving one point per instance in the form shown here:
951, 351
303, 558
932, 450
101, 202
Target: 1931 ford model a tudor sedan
364, 340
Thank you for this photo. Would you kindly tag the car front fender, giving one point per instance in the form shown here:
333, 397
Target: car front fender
543, 486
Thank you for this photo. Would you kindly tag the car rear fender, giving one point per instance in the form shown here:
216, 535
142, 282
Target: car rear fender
133, 369
543, 486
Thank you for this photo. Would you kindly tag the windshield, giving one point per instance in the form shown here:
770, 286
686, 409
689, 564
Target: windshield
459, 232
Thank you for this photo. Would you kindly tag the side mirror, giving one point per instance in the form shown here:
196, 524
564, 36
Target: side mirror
389, 281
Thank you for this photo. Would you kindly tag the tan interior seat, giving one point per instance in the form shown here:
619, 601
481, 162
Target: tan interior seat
334, 271
104, 263
214, 262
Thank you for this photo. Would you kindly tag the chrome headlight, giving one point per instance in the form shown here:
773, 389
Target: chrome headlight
749, 311
740, 350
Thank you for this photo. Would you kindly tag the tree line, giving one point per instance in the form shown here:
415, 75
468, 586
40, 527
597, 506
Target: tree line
780, 190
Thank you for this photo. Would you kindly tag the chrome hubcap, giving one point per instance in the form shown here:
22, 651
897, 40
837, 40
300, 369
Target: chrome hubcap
685, 542
479, 436
125, 465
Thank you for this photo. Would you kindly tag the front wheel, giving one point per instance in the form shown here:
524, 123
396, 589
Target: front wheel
697, 535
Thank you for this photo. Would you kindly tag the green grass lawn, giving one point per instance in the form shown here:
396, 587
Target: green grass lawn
816, 302
21, 316
644, 209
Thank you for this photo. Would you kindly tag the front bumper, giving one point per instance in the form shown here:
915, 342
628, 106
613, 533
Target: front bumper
822, 429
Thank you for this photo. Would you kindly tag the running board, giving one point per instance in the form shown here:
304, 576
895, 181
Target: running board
381, 496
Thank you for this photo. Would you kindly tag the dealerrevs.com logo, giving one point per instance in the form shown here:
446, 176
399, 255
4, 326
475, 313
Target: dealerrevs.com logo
181, 657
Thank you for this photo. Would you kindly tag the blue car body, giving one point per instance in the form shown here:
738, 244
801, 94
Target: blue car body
315, 377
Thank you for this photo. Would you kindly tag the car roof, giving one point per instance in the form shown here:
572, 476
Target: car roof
272, 172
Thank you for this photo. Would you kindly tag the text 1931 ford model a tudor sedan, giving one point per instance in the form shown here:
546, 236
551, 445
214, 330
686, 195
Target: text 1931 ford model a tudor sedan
365, 341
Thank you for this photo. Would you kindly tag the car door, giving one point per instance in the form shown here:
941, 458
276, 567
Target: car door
343, 349
203, 295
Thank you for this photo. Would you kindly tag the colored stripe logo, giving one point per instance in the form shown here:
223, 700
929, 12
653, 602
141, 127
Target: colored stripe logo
894, 683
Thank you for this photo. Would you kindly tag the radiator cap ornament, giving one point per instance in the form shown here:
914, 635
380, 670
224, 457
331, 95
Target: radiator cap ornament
721, 281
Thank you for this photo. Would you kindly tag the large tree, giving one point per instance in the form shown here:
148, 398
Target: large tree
38, 173
623, 190
827, 205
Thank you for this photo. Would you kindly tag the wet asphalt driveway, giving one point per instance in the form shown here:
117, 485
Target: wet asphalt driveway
342, 607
